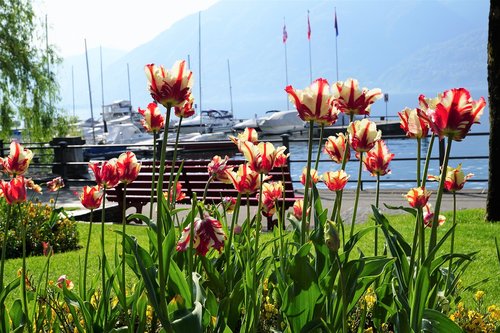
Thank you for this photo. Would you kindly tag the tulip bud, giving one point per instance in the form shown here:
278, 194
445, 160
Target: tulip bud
332, 239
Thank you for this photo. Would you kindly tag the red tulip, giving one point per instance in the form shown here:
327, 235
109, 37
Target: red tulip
298, 209
349, 99
335, 148
414, 125
208, 233
178, 195
377, 159
128, 167
18, 160
169, 88
91, 197
229, 204
55, 184
245, 180
335, 180
185, 110
281, 159
153, 120
314, 177
271, 192
314, 103
260, 157
455, 178
106, 173
217, 168
14, 191
454, 114
417, 197
363, 134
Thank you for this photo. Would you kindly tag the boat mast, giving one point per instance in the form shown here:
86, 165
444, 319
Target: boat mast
73, 88
129, 93
199, 63
102, 94
230, 87
90, 91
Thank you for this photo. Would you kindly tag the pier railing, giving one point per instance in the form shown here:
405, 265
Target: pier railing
70, 161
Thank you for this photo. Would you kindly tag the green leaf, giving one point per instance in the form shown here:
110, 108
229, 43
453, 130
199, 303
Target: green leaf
8, 289
436, 322
177, 283
16, 314
418, 298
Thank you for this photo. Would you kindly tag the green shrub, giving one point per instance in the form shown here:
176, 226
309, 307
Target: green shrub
44, 225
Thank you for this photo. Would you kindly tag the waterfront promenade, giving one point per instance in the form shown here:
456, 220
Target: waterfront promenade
466, 199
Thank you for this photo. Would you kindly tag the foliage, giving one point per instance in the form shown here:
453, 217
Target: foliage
27, 76
44, 224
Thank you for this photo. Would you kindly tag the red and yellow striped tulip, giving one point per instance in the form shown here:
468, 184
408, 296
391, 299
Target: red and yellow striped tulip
91, 197
245, 180
314, 177
351, 100
18, 160
185, 110
217, 168
208, 233
363, 135
335, 148
14, 191
377, 160
153, 120
128, 167
417, 197
335, 180
106, 173
414, 125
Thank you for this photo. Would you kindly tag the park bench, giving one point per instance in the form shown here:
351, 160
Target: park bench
193, 178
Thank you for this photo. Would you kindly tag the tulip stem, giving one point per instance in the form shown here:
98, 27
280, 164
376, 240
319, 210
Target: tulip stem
191, 244
159, 192
230, 241
321, 133
210, 179
4, 245
307, 185
341, 192
85, 261
258, 229
452, 247
23, 275
442, 178
171, 201
427, 160
153, 178
419, 147
377, 196
103, 259
353, 221
124, 226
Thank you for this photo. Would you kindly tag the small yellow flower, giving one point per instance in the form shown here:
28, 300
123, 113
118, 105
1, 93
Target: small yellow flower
368, 330
479, 295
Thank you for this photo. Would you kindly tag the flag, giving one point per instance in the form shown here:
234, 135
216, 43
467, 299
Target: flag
336, 25
308, 27
285, 34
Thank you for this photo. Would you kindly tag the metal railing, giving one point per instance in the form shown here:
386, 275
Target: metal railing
59, 159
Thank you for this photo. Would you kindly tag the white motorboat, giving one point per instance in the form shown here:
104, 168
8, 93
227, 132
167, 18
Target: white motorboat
281, 122
211, 121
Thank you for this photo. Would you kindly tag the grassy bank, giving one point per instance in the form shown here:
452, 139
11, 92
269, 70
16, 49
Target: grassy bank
472, 234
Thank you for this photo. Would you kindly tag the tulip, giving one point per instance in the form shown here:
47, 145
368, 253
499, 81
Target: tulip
169, 88
271, 192
314, 102
377, 159
331, 234
106, 173
179, 195
18, 160
314, 177
217, 169
260, 157
47, 249
281, 159
128, 167
208, 233
229, 204
64, 281
454, 114
417, 197
351, 100
335, 148
185, 110
153, 120
335, 180
363, 134
245, 180
55, 184
298, 208
249, 134
14, 191
91, 197
413, 124
32, 186
455, 178
429, 217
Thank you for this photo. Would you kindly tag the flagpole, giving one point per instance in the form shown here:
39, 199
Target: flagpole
285, 37
309, 38
90, 91
199, 64
336, 49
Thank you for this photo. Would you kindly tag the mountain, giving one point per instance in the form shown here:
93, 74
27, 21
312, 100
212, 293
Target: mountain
403, 47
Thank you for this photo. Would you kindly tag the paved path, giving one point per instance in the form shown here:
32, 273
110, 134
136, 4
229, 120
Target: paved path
69, 197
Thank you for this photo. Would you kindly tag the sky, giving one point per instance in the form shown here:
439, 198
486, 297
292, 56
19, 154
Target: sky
117, 24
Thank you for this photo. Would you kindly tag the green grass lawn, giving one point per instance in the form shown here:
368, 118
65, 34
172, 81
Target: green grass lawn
472, 234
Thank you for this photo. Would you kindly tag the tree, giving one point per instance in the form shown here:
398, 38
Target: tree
28, 88
493, 198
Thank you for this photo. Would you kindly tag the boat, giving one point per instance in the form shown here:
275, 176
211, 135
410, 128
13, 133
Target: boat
210, 121
281, 122
241, 124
